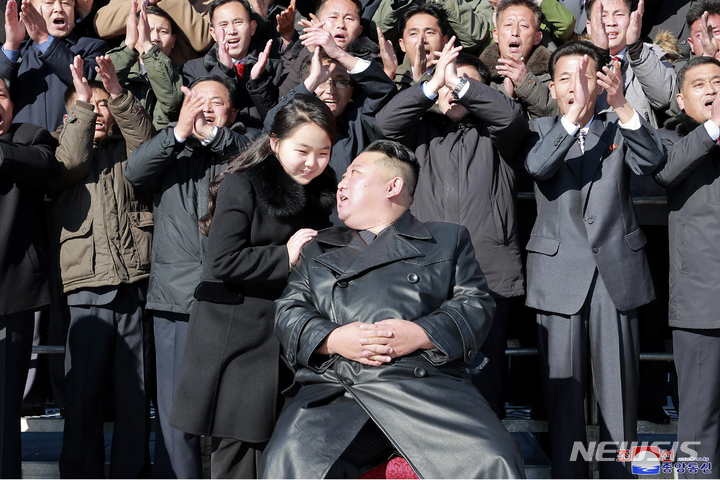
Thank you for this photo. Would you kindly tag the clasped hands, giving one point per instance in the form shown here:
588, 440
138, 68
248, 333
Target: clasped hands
376, 344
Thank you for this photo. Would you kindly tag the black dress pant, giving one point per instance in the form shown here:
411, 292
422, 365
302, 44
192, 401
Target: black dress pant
106, 344
231, 458
16, 335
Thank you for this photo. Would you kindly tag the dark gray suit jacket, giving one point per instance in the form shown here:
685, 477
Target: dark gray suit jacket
586, 217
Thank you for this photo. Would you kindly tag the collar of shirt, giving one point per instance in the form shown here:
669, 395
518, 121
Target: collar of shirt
586, 128
621, 54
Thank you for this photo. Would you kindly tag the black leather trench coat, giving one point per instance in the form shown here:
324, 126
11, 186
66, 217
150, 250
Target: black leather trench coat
423, 402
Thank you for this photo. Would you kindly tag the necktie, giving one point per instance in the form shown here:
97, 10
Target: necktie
581, 139
240, 67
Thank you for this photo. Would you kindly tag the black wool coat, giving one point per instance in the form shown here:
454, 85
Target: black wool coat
27, 161
230, 378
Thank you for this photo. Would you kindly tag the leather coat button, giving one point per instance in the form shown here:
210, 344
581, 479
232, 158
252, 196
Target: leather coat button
420, 372
595, 250
413, 278
471, 354
342, 284
290, 357
348, 382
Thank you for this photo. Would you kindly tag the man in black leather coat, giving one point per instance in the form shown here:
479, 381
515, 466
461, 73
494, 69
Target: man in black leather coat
379, 319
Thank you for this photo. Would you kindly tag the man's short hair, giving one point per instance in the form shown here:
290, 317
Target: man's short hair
225, 82
432, 9
321, 3
219, 3
155, 10
472, 61
697, 9
400, 160
5, 80
529, 4
306, 64
70, 92
579, 48
589, 4
692, 63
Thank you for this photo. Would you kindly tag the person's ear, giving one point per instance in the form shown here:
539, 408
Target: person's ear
395, 187
552, 90
692, 45
212, 34
402, 44
680, 101
253, 27
274, 145
64, 118
495, 35
171, 43
232, 116
538, 37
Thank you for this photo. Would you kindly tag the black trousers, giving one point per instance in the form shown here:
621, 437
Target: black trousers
231, 458
599, 344
369, 448
697, 360
106, 344
16, 335
177, 454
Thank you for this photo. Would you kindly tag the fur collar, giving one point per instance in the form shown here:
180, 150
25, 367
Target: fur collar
284, 197
537, 63
682, 123
211, 57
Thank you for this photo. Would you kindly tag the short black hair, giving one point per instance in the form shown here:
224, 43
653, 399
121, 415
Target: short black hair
697, 9
692, 63
155, 10
589, 4
579, 48
306, 64
6, 80
431, 9
529, 4
321, 3
70, 92
399, 159
225, 82
219, 3
471, 60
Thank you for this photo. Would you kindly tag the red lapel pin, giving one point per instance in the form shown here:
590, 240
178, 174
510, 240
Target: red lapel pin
611, 147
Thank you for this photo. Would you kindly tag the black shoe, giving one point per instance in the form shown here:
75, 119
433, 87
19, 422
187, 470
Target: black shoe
655, 414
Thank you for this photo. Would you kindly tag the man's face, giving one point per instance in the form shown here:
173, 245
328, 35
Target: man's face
562, 88
699, 90
342, 20
238, 26
517, 34
218, 109
362, 191
616, 18
424, 29
337, 91
694, 40
59, 16
161, 33
6, 109
447, 103
105, 119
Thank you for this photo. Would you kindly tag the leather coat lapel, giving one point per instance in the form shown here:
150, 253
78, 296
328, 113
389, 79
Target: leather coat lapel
339, 259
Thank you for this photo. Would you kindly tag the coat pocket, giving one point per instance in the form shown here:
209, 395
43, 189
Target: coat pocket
636, 240
543, 245
77, 253
141, 228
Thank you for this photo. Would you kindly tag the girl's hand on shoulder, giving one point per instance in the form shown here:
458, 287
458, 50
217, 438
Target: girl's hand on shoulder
297, 241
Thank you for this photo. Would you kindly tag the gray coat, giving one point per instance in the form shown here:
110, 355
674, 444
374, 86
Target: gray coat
692, 179
423, 402
586, 218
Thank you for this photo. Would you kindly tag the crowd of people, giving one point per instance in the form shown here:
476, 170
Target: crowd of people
294, 228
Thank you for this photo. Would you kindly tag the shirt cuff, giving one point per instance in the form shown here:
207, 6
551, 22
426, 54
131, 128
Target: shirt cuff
360, 66
13, 55
46, 44
464, 90
178, 139
569, 127
428, 94
712, 129
633, 124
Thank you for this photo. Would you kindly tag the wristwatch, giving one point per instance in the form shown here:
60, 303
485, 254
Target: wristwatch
458, 88
208, 140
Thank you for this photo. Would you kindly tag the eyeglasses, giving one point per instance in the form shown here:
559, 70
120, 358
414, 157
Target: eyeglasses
339, 84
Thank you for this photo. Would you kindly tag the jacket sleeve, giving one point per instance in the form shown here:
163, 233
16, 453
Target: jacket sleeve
145, 166
263, 91
645, 149
459, 327
535, 96
75, 149
559, 21
472, 23
299, 326
132, 119
377, 87
165, 81
387, 18
656, 76
230, 255
59, 58
547, 152
504, 118
397, 119
683, 155
33, 163
123, 59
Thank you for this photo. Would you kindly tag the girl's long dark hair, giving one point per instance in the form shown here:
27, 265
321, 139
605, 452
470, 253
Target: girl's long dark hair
299, 111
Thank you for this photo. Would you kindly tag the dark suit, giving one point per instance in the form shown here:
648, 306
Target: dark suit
26, 163
587, 274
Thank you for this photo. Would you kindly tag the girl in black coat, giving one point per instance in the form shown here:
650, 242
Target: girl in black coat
263, 209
